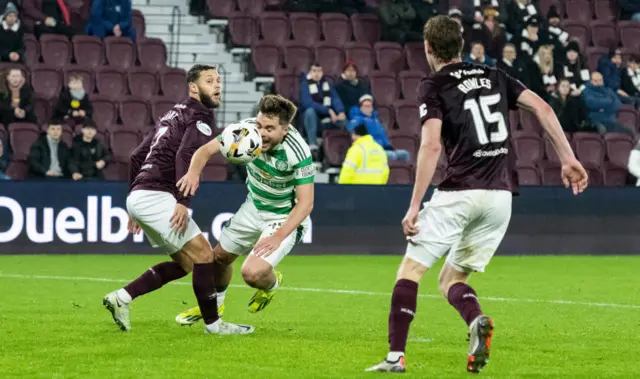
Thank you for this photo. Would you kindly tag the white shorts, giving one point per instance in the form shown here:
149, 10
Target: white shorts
468, 224
152, 210
246, 227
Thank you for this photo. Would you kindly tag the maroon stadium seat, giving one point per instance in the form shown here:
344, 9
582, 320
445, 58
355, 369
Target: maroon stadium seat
123, 141
550, 173
530, 122
117, 170
105, 111
43, 109
400, 173
152, 54
390, 56
46, 80
135, 112
251, 7
266, 57
110, 81
409, 83
31, 49
142, 83
366, 28
335, 147
604, 10
243, 29
362, 55
121, 52
173, 83
88, 51
138, 21
589, 148
615, 176
336, 28
221, 8
579, 31
21, 137
618, 147
384, 88
18, 169
578, 10
596, 177
274, 27
630, 34
544, 5
305, 28
406, 142
387, 117
407, 116
55, 50
287, 84
297, 56
514, 121
528, 146
160, 106
88, 78
214, 172
330, 57
604, 34
594, 54
628, 117
550, 151
528, 174
416, 59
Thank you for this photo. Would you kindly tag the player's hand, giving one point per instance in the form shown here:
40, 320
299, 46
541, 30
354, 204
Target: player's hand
180, 218
410, 222
574, 176
133, 226
267, 245
188, 184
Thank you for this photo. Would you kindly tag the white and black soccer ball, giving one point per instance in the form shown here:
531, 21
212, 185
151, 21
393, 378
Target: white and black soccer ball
240, 143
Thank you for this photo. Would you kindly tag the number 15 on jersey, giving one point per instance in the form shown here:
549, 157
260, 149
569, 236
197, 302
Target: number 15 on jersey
482, 116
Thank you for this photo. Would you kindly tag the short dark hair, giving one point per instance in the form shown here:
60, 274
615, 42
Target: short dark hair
277, 106
55, 121
194, 72
444, 37
316, 64
89, 123
360, 130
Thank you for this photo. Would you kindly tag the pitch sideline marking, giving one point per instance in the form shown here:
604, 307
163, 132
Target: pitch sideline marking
349, 292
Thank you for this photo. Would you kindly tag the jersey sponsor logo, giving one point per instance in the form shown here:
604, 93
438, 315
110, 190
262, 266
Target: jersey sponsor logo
204, 128
281, 165
169, 116
458, 74
490, 153
180, 106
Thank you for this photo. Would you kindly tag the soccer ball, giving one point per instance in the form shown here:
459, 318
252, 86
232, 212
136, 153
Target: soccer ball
240, 143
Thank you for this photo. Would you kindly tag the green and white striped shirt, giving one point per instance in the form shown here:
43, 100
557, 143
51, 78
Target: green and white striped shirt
273, 176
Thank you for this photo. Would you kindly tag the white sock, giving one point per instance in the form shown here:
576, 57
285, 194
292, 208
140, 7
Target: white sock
214, 325
221, 296
393, 356
124, 296
275, 285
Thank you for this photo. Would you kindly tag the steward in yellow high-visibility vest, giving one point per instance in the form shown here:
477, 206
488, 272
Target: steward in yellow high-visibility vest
366, 161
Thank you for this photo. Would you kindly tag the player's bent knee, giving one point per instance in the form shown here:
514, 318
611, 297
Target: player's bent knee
253, 275
199, 250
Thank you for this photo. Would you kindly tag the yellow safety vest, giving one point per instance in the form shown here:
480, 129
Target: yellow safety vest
366, 163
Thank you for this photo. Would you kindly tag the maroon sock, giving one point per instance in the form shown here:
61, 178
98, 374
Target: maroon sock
204, 288
465, 301
154, 278
403, 309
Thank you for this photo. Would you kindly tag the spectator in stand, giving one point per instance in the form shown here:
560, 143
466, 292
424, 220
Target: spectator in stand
549, 71
511, 64
554, 35
571, 110
321, 106
367, 116
629, 9
477, 55
350, 88
11, 36
468, 34
111, 18
528, 40
73, 104
398, 17
366, 161
575, 68
473, 11
634, 163
631, 77
48, 17
4, 162
17, 100
49, 155
611, 68
603, 105
493, 34
348, 7
520, 12
88, 156
425, 9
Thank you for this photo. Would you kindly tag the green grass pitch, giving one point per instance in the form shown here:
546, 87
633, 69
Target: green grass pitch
556, 317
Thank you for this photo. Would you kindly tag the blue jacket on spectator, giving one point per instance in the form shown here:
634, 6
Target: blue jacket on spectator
307, 100
487, 60
373, 125
106, 14
603, 103
611, 73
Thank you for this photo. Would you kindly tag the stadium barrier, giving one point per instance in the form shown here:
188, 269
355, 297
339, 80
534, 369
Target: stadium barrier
90, 218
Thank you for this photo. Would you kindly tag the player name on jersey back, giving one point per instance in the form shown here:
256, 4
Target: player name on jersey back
473, 103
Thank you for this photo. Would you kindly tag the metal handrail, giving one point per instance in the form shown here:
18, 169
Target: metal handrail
174, 49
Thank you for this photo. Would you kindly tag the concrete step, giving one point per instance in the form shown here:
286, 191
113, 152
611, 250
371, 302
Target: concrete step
164, 29
167, 19
159, 10
165, 3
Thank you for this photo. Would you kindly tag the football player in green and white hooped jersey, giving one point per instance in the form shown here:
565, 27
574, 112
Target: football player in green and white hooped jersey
275, 215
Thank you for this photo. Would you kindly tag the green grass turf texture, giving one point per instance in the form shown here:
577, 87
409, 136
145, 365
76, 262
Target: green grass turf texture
57, 328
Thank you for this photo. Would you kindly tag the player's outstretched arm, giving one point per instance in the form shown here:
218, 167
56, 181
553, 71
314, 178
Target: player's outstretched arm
573, 174
188, 184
